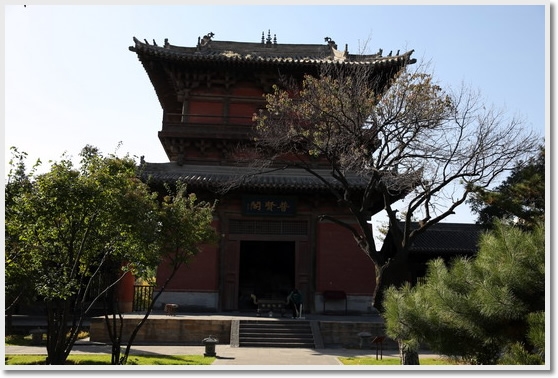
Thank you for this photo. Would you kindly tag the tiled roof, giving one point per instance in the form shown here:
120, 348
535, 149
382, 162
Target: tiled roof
448, 238
214, 177
244, 52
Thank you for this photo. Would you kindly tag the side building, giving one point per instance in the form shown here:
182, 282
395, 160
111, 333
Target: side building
445, 241
271, 237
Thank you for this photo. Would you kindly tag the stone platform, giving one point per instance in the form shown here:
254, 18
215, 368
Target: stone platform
330, 331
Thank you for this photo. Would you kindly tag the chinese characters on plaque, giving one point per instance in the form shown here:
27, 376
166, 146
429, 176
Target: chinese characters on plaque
268, 205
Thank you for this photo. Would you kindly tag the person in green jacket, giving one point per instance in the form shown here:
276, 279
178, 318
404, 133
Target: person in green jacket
295, 300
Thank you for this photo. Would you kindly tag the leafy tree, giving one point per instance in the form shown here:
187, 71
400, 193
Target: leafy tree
17, 284
478, 308
519, 199
72, 224
410, 139
186, 225
81, 226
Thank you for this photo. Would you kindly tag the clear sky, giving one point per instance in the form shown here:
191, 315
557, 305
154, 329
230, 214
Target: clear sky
70, 79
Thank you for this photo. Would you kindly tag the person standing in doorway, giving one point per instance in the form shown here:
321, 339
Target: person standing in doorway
295, 300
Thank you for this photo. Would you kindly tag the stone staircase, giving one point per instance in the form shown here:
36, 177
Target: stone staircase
275, 334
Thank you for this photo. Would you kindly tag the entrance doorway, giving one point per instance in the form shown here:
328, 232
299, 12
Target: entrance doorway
267, 269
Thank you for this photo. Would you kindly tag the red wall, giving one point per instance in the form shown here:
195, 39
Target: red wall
212, 109
126, 292
200, 274
240, 113
341, 264
248, 89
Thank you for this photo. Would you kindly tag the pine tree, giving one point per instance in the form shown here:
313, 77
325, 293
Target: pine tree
519, 199
518, 353
477, 308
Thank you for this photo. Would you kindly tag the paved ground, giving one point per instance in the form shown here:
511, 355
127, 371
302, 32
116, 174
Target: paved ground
286, 356
227, 355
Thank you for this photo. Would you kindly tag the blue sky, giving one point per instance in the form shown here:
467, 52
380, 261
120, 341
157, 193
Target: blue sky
70, 79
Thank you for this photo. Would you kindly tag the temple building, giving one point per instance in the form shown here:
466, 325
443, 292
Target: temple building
271, 239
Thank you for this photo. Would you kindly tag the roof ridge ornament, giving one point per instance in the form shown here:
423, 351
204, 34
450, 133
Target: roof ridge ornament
268, 42
331, 42
335, 54
205, 41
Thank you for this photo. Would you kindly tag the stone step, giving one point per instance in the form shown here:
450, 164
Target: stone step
275, 329
277, 345
268, 323
275, 332
284, 334
275, 326
281, 336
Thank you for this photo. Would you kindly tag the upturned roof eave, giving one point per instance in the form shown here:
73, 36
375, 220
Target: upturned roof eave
215, 178
145, 50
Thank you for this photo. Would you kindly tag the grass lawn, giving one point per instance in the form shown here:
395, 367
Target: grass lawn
105, 360
23, 340
98, 359
392, 361
26, 340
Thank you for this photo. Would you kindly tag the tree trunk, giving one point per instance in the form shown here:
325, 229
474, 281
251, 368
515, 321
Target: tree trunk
115, 336
408, 354
57, 316
124, 358
9, 322
377, 295
394, 273
61, 337
114, 322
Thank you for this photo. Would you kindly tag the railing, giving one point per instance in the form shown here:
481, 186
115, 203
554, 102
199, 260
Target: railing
143, 295
207, 119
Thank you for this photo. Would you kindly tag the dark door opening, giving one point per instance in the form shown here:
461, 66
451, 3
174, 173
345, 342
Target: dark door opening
267, 269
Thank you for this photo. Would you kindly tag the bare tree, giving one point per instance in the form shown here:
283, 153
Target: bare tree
405, 138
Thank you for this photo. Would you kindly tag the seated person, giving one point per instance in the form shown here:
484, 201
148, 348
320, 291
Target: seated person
295, 299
